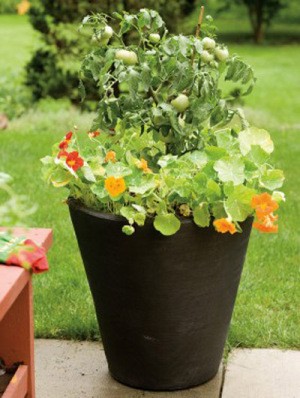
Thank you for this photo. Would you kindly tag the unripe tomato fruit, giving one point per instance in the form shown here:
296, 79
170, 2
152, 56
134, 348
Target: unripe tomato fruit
154, 37
108, 32
221, 53
181, 103
208, 43
128, 57
206, 56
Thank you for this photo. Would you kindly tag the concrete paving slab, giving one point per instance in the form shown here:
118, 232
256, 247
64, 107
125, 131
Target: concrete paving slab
262, 373
67, 369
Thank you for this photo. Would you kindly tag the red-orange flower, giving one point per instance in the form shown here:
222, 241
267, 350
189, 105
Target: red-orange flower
74, 161
263, 205
266, 224
62, 154
224, 225
110, 156
69, 136
143, 164
65, 143
115, 186
93, 134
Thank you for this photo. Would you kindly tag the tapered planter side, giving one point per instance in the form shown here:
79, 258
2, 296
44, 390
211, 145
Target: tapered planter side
164, 304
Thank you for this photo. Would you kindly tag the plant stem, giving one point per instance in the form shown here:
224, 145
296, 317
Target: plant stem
198, 30
153, 95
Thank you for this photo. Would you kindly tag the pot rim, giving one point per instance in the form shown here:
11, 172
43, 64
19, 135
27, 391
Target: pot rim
75, 204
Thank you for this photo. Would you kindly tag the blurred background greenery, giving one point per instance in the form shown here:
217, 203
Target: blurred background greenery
40, 52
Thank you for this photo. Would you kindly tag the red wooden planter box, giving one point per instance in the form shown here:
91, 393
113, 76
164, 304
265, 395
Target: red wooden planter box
16, 319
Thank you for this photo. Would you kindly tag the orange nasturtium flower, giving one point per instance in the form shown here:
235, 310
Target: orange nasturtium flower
74, 161
115, 186
143, 165
93, 134
266, 224
110, 156
23, 7
224, 225
263, 205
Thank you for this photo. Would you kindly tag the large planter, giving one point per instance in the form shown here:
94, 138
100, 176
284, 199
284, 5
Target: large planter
163, 304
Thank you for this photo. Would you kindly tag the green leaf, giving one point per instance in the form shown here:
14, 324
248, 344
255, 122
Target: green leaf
60, 178
167, 224
117, 170
226, 140
199, 183
254, 136
230, 169
238, 204
199, 158
272, 179
219, 114
129, 213
144, 18
202, 215
88, 173
128, 230
215, 153
133, 216
257, 155
218, 210
143, 188
99, 190
213, 191
140, 218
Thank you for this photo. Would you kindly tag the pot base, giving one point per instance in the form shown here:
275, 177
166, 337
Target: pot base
144, 387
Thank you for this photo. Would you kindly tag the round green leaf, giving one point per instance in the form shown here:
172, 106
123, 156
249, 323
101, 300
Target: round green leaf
272, 179
230, 169
128, 229
254, 136
167, 224
202, 215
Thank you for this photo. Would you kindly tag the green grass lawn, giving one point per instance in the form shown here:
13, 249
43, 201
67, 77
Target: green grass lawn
266, 312
18, 39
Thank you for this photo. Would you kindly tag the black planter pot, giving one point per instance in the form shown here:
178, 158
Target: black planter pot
163, 304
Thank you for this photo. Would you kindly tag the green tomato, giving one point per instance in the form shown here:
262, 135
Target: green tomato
221, 53
181, 103
154, 37
206, 56
208, 43
128, 57
108, 32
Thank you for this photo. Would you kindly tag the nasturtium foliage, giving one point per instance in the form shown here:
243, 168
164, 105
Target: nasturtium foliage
166, 143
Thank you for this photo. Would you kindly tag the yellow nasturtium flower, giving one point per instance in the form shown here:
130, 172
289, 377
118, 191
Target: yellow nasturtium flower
115, 186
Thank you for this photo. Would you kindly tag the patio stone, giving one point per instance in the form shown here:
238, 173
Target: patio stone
66, 369
262, 373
